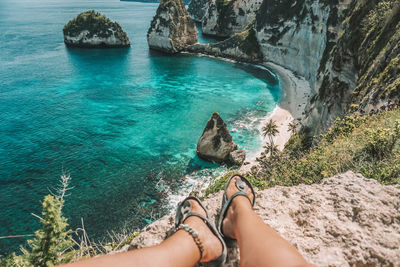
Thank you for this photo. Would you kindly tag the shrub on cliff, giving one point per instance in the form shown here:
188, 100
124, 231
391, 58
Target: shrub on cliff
52, 244
53, 241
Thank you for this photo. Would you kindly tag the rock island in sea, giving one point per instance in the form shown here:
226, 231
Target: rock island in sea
171, 30
90, 29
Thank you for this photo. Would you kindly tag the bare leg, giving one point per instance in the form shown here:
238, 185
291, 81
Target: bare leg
259, 244
178, 250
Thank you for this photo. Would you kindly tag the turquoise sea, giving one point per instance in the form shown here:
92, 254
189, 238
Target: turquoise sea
123, 123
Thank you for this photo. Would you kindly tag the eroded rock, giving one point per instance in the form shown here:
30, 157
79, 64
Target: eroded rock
216, 143
197, 9
171, 29
90, 29
347, 220
225, 18
237, 157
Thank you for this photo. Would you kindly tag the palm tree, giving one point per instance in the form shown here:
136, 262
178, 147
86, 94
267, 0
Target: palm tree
271, 149
270, 129
293, 127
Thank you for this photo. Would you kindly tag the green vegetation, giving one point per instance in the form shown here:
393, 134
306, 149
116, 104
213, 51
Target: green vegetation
365, 144
55, 243
376, 46
271, 130
95, 23
377, 16
52, 245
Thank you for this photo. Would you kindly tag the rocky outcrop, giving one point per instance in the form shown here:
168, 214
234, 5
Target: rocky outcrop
90, 29
225, 18
171, 29
242, 46
216, 143
237, 157
197, 9
347, 220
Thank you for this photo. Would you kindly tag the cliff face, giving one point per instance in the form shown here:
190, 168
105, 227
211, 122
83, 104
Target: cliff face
197, 9
361, 71
242, 46
171, 29
348, 51
226, 17
347, 220
90, 29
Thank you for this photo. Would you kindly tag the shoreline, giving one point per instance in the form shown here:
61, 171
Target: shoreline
296, 93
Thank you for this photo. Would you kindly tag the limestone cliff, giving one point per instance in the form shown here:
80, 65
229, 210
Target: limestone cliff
347, 220
241, 46
226, 17
90, 29
197, 9
348, 51
171, 29
361, 70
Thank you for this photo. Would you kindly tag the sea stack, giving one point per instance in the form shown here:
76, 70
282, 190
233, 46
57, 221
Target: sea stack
197, 9
216, 143
171, 30
90, 29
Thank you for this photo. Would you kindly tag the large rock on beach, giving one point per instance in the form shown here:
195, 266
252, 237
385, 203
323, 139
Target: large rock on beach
216, 143
346, 220
171, 29
91, 29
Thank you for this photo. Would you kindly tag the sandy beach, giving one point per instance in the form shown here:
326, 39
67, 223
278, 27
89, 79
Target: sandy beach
296, 93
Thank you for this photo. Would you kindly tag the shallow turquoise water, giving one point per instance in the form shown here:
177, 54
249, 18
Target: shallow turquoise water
117, 120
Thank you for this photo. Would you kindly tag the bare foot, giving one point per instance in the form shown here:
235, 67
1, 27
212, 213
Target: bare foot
212, 245
239, 202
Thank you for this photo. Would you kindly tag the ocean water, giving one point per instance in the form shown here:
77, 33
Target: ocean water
123, 123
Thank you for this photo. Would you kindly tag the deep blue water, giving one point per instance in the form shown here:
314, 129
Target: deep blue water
118, 121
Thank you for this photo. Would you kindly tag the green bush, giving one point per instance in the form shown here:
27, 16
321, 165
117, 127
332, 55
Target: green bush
380, 142
343, 127
377, 17
51, 244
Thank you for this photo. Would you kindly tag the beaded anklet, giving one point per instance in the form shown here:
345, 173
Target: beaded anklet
194, 235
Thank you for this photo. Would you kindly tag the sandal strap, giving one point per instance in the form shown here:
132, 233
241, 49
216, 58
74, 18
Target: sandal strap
180, 218
241, 184
190, 214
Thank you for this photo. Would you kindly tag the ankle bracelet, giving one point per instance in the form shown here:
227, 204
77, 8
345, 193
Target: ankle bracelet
195, 236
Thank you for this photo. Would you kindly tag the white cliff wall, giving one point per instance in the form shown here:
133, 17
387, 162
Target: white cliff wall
229, 18
300, 44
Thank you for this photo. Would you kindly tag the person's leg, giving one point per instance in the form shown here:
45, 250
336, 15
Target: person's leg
179, 250
259, 244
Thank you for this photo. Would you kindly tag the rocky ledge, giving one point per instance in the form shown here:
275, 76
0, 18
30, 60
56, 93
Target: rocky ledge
91, 29
171, 30
216, 143
347, 220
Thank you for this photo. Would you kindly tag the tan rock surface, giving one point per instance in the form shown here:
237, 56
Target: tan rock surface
216, 142
347, 220
171, 29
